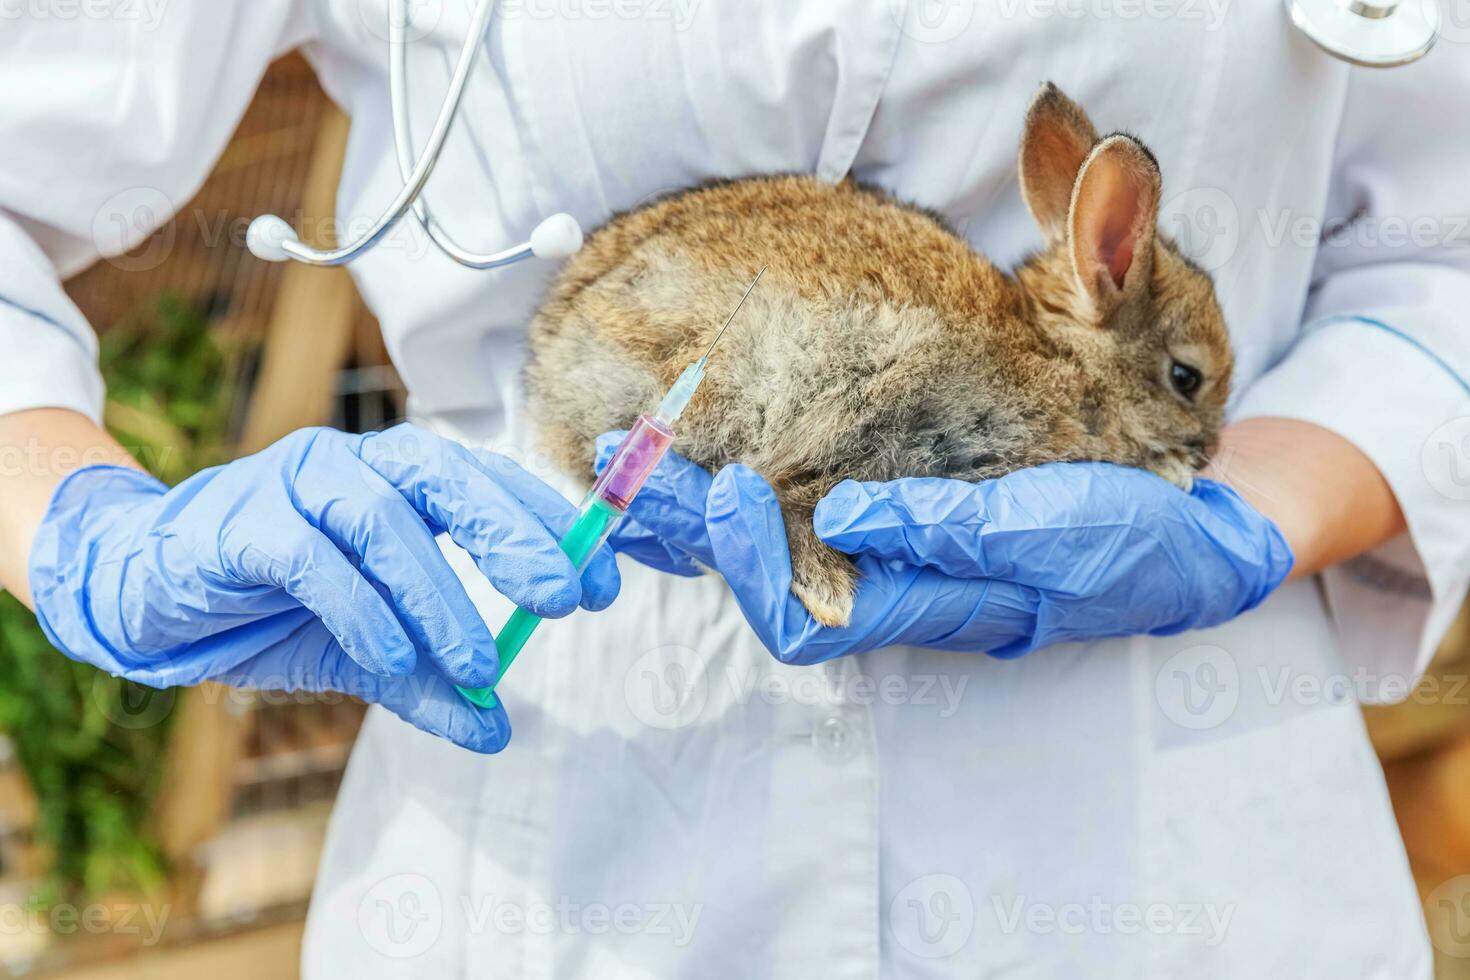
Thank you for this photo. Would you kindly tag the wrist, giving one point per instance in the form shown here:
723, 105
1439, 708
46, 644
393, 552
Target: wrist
1326, 497
39, 448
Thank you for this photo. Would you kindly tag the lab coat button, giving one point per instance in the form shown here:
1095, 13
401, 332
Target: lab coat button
833, 738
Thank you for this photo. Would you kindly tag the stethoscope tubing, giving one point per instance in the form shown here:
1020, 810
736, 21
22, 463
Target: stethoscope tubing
403, 147
418, 177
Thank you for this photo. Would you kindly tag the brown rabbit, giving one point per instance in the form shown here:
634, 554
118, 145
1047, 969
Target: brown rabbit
880, 345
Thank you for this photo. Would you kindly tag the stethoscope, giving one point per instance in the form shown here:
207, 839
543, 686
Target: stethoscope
271, 238
1371, 33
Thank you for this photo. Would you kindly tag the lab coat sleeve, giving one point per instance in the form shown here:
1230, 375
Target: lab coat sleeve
1383, 356
111, 119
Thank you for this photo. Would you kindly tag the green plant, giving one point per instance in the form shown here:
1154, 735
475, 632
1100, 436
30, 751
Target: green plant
92, 745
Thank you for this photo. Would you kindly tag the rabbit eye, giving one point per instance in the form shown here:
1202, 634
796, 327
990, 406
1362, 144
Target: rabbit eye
1185, 379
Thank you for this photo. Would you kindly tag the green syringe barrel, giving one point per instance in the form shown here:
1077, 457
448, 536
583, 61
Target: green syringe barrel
580, 543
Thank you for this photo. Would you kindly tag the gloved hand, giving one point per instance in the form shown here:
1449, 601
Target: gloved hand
310, 566
1065, 552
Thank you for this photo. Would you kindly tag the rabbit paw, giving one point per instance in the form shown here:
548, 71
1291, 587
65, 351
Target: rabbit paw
829, 605
824, 580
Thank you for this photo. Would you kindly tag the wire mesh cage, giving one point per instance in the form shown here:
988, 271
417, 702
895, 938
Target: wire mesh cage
199, 254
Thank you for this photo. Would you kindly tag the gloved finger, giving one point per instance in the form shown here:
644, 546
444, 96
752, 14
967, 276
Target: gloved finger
365, 517
1040, 527
920, 521
895, 603
309, 659
671, 504
429, 703
924, 607
642, 545
747, 537
303, 562
600, 579
510, 545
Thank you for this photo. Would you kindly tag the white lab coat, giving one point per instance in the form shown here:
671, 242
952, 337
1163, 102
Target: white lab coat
676, 804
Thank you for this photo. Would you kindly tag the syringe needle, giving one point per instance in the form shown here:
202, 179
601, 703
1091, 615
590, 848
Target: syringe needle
730, 319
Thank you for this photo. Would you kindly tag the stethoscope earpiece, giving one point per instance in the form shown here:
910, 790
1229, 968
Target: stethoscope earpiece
557, 237
267, 237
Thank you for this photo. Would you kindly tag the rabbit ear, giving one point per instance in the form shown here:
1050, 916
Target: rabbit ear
1057, 138
1115, 209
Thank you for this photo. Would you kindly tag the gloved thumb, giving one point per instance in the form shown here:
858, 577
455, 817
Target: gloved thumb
671, 504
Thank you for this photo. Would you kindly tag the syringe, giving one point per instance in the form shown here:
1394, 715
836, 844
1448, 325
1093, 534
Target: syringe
608, 500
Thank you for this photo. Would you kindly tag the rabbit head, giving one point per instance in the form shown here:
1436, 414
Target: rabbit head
1137, 318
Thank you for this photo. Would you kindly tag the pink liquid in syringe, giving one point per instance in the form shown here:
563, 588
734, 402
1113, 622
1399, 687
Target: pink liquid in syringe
640, 451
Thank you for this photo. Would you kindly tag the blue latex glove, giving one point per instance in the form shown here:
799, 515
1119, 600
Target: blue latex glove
310, 566
1065, 552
